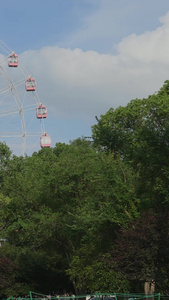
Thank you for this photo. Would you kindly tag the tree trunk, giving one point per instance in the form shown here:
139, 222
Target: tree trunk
149, 287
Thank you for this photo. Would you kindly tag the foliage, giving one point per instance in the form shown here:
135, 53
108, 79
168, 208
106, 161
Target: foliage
63, 199
139, 133
97, 275
87, 216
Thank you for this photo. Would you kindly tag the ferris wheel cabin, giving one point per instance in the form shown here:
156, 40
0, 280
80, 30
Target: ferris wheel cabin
30, 84
41, 111
13, 60
45, 140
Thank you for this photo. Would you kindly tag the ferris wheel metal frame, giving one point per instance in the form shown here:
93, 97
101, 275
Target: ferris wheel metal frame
20, 109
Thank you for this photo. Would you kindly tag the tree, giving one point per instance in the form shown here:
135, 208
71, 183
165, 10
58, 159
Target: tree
140, 251
66, 202
136, 249
139, 133
121, 130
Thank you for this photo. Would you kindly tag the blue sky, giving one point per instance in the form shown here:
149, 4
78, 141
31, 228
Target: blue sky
88, 55
35, 23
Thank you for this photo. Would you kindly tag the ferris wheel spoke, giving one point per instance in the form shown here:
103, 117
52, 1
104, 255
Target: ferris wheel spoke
12, 134
21, 109
33, 133
5, 47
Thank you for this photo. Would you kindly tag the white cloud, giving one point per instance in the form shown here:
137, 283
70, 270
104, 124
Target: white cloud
151, 46
102, 27
77, 83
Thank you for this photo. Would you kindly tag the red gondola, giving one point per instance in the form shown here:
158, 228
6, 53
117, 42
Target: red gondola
41, 111
13, 60
45, 140
30, 84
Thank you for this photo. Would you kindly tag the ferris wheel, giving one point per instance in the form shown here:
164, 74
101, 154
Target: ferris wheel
22, 114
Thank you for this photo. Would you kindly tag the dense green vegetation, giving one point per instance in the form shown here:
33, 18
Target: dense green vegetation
90, 216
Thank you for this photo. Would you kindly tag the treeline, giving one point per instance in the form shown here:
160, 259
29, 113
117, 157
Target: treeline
92, 215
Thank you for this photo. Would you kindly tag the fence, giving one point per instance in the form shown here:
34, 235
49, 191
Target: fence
96, 296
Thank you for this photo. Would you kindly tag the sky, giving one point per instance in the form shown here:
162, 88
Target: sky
87, 56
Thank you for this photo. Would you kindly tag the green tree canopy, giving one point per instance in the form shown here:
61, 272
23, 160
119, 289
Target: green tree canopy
139, 133
63, 201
